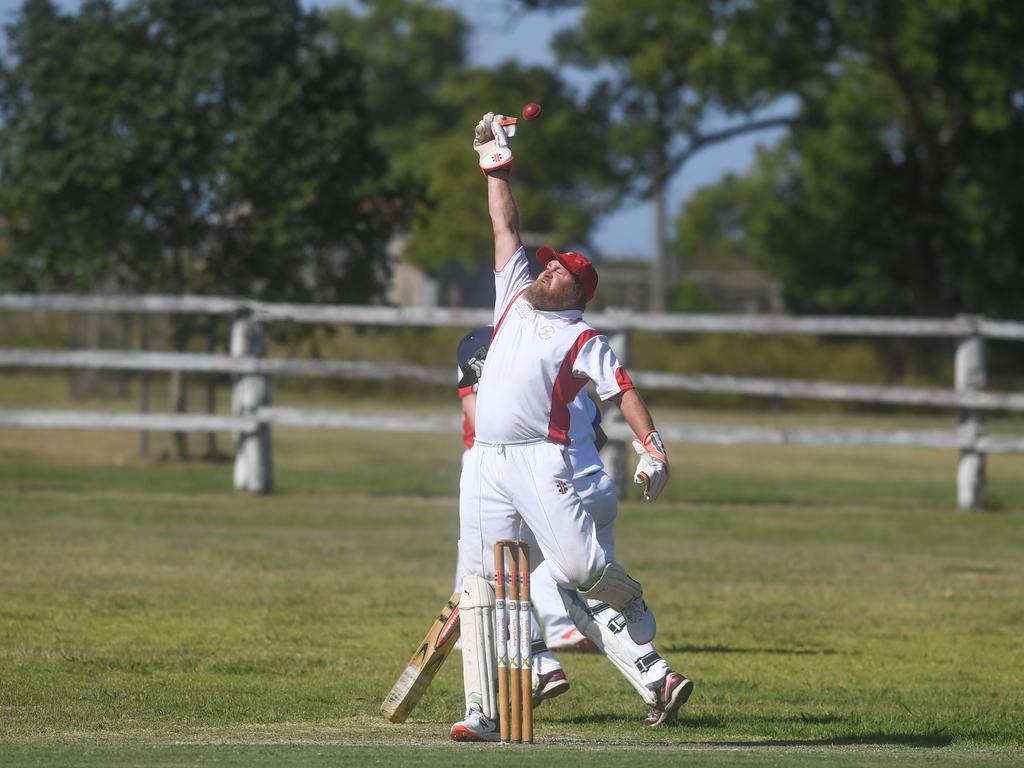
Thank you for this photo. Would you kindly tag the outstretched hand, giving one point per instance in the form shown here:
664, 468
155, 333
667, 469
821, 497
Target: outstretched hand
491, 141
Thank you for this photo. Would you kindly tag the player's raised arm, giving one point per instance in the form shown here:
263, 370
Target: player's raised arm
491, 142
504, 217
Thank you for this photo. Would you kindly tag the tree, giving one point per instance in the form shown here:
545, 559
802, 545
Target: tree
667, 67
710, 231
408, 49
173, 146
424, 100
564, 181
898, 193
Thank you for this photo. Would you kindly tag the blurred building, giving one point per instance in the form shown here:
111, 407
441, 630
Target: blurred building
698, 290
624, 286
455, 285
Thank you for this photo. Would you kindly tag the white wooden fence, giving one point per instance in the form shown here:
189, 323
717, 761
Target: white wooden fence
253, 415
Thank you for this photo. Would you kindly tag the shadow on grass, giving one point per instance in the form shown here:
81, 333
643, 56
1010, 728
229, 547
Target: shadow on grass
918, 740
597, 718
740, 649
932, 740
808, 719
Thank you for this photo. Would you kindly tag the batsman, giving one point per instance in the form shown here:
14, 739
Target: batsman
542, 353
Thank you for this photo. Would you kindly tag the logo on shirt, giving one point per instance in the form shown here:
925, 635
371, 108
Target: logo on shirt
561, 486
546, 332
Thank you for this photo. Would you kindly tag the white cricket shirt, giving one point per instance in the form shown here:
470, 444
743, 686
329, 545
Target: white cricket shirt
536, 365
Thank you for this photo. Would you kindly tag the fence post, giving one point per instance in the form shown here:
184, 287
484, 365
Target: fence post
615, 455
144, 384
253, 466
970, 376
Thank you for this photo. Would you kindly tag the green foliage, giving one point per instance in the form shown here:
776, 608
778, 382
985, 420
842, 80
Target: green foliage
884, 362
561, 177
688, 297
897, 193
216, 147
425, 100
676, 82
408, 49
227, 147
798, 357
710, 232
667, 66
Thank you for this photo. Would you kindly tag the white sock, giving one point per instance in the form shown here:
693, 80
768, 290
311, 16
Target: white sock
544, 661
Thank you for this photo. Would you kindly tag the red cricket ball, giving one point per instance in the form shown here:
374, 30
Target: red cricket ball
531, 111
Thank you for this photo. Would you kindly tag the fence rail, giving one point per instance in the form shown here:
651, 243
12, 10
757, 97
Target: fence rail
792, 389
198, 362
610, 320
253, 414
389, 422
118, 420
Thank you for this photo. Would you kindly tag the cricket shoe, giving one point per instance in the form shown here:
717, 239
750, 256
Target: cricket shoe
672, 692
573, 641
476, 727
640, 622
549, 685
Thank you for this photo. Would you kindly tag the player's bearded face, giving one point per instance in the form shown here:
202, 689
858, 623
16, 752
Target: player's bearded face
555, 290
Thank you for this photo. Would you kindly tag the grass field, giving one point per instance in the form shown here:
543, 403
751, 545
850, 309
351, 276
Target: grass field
832, 605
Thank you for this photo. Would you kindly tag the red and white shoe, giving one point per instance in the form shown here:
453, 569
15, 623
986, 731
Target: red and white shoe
673, 691
549, 685
573, 641
476, 727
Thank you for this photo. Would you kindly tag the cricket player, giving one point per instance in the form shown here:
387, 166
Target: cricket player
548, 676
662, 690
541, 355
559, 631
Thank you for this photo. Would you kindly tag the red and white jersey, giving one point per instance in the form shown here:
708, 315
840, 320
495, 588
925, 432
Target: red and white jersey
536, 365
583, 417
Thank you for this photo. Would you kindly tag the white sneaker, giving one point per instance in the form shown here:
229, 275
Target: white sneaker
639, 621
476, 727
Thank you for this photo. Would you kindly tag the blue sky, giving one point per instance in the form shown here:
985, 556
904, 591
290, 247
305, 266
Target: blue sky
499, 35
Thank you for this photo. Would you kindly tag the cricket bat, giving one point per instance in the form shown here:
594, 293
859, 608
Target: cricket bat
420, 671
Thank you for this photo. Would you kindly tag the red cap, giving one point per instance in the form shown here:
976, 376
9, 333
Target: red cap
578, 264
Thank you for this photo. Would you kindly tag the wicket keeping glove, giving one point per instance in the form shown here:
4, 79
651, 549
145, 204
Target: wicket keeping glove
652, 469
490, 140
476, 363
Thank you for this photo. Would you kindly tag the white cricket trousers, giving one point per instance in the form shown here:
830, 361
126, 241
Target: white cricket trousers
600, 497
506, 485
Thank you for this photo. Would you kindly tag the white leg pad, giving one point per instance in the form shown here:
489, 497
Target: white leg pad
615, 587
479, 660
606, 628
